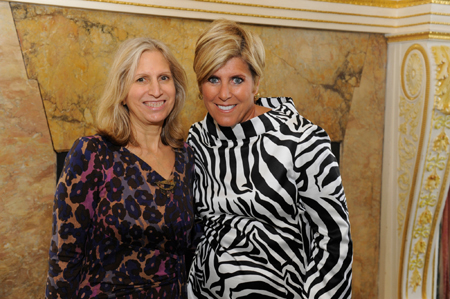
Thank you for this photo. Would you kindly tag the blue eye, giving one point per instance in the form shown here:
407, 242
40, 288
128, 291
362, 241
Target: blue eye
213, 80
237, 80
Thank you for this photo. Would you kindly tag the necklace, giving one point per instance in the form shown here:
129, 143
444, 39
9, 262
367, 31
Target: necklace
166, 186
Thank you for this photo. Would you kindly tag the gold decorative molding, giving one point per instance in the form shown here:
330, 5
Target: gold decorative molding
441, 123
442, 96
285, 8
419, 36
394, 18
248, 14
388, 3
413, 76
324, 11
410, 109
422, 216
415, 61
407, 145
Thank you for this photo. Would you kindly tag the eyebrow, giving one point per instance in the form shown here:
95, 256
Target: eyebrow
146, 74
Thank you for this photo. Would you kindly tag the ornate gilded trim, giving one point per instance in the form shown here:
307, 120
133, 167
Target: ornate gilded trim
240, 14
321, 11
410, 153
425, 224
442, 97
423, 211
412, 69
418, 36
441, 144
387, 3
277, 17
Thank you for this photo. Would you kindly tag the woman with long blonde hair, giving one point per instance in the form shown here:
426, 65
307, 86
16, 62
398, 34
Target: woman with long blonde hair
123, 211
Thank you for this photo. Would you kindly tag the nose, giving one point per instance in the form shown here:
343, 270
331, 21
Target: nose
224, 92
154, 89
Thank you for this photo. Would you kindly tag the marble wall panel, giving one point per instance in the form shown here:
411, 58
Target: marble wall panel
336, 79
361, 170
27, 173
69, 52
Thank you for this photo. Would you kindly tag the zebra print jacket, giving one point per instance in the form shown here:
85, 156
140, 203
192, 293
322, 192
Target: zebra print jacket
269, 194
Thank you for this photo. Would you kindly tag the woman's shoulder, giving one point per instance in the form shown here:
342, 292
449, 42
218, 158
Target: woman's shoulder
187, 149
92, 143
185, 156
97, 138
90, 138
197, 126
195, 132
285, 112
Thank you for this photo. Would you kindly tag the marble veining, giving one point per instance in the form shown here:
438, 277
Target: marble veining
27, 173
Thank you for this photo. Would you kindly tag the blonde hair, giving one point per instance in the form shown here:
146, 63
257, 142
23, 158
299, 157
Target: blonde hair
113, 119
223, 40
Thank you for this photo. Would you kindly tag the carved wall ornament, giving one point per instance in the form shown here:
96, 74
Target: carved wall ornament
441, 142
413, 99
432, 182
416, 279
413, 115
420, 247
436, 174
407, 146
414, 74
424, 222
442, 94
416, 263
427, 200
432, 195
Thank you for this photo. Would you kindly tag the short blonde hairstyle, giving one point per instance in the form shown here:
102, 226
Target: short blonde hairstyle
113, 119
223, 40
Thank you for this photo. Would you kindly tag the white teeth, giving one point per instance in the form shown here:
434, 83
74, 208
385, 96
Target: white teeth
226, 108
154, 104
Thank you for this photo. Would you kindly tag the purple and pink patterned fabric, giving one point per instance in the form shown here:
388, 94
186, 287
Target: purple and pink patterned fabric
116, 234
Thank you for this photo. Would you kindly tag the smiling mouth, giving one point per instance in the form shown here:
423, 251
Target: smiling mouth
154, 104
226, 108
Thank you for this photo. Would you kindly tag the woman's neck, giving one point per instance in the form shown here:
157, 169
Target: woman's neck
150, 148
148, 138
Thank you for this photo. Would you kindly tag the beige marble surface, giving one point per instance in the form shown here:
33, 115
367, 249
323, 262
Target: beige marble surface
27, 173
336, 79
361, 168
69, 51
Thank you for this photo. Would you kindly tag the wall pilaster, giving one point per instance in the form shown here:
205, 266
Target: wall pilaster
415, 166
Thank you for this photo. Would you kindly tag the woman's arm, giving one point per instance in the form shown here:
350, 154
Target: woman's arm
329, 252
72, 214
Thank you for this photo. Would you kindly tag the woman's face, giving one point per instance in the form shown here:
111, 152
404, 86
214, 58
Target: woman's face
229, 93
152, 94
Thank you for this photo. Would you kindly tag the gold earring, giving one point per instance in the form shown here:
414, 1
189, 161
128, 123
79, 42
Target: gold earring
200, 97
256, 97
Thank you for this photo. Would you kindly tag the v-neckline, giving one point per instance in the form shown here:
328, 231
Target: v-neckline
171, 175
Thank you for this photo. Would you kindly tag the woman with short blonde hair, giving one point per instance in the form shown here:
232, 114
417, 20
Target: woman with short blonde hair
223, 41
268, 189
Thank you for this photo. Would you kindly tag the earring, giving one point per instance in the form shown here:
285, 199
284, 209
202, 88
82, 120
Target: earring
256, 97
200, 97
